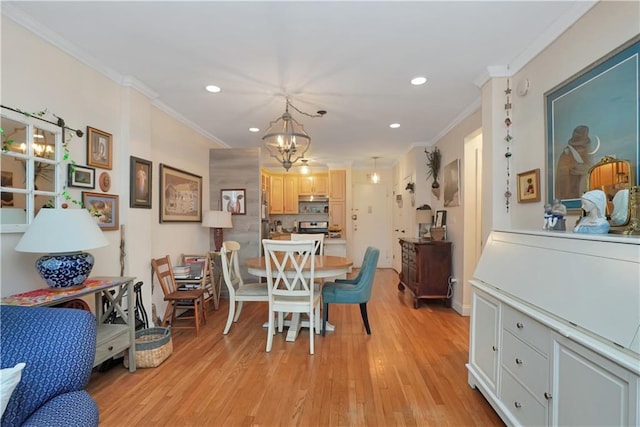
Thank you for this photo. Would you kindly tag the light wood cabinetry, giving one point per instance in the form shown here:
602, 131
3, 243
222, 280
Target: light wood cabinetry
290, 201
276, 194
313, 185
337, 199
283, 194
536, 358
337, 184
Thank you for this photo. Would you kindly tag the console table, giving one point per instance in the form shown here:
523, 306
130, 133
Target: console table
111, 338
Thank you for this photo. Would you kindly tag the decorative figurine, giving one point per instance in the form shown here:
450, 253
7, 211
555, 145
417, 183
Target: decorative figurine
594, 203
558, 211
548, 216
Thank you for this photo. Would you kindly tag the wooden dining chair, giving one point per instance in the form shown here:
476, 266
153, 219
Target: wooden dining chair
177, 299
207, 282
290, 272
317, 238
239, 291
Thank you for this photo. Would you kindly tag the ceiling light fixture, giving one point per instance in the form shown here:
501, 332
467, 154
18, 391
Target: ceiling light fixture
375, 178
394, 125
286, 139
417, 81
212, 88
254, 129
304, 169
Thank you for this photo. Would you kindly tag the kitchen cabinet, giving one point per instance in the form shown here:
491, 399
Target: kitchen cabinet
337, 184
337, 215
426, 268
276, 194
313, 185
290, 194
283, 194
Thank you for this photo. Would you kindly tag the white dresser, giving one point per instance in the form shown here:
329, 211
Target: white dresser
555, 328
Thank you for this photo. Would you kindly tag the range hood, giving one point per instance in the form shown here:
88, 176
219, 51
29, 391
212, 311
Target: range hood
319, 199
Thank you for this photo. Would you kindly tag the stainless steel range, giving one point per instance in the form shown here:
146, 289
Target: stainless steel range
313, 227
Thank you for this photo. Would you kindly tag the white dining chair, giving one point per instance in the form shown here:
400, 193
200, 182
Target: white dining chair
317, 238
239, 291
290, 272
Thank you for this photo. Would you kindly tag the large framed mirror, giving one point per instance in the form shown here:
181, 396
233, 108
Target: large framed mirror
30, 168
615, 178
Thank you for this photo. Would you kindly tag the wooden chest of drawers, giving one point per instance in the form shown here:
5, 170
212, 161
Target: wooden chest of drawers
426, 268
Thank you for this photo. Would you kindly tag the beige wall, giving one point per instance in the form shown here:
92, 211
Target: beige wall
35, 76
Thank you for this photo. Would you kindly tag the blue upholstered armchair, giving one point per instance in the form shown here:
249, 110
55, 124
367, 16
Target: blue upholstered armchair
58, 346
352, 291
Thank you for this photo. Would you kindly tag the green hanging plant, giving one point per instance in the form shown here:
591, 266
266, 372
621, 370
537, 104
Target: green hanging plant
434, 159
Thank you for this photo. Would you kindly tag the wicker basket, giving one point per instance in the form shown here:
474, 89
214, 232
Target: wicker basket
153, 346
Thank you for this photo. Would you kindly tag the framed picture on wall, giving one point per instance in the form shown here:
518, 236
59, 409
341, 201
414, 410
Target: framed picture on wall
529, 186
593, 114
180, 195
140, 174
99, 148
234, 201
440, 219
103, 207
81, 176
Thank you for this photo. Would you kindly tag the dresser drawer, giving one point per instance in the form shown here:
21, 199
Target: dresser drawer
526, 364
521, 403
111, 340
527, 329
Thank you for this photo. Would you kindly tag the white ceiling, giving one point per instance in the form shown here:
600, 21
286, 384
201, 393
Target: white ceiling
353, 59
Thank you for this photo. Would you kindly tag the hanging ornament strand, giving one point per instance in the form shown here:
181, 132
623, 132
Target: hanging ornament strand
508, 139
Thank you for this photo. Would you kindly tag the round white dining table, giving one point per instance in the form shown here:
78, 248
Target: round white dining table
326, 266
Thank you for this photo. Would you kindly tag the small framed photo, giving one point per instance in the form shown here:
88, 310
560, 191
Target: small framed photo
180, 195
529, 186
233, 201
440, 219
81, 176
140, 183
104, 207
99, 148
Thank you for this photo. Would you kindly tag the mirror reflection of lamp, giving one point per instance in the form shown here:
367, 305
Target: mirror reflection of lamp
217, 220
63, 234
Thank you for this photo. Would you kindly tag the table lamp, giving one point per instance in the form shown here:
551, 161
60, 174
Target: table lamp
217, 220
63, 234
424, 218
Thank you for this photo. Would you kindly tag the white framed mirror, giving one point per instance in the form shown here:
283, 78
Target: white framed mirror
30, 169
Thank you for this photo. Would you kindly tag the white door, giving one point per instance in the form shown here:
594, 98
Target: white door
372, 224
398, 219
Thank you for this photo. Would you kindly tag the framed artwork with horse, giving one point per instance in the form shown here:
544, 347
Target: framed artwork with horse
234, 201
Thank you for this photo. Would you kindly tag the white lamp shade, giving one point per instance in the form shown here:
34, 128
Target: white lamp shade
424, 216
62, 231
217, 219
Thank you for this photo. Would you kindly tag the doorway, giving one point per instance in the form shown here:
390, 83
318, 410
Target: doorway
472, 195
372, 225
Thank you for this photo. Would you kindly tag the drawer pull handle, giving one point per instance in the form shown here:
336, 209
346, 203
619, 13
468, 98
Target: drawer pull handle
494, 348
517, 404
518, 361
547, 395
519, 325
110, 348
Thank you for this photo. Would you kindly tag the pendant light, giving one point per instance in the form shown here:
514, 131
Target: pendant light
375, 178
286, 139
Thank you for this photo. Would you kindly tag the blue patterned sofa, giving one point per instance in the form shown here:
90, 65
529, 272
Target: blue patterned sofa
58, 346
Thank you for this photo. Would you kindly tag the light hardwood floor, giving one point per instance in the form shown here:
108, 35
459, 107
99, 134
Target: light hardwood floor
409, 372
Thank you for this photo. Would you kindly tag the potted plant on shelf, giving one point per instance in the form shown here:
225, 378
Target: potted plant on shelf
433, 169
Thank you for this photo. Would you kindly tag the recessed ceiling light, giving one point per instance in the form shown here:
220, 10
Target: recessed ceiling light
212, 88
417, 81
254, 130
394, 125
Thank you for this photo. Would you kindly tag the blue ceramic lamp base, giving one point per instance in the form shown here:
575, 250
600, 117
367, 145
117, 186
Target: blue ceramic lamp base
66, 271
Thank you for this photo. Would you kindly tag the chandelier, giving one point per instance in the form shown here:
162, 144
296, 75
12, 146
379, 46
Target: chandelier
286, 139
